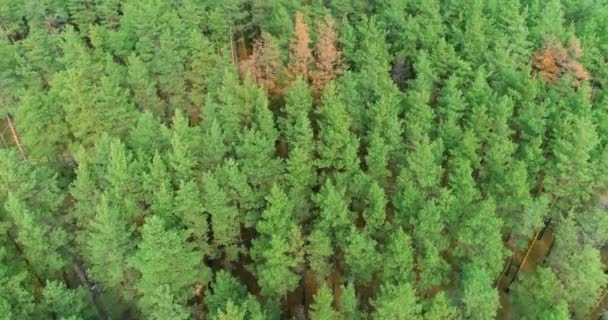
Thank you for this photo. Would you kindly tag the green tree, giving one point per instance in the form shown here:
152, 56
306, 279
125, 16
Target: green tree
337, 145
106, 245
440, 307
276, 251
398, 259
41, 240
319, 251
540, 295
322, 309
479, 296
361, 256
144, 87
225, 220
396, 301
189, 208
157, 246
349, 308
66, 303
164, 306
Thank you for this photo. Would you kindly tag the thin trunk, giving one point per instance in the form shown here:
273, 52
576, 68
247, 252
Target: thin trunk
232, 51
523, 261
504, 271
545, 227
549, 251
3, 140
599, 302
93, 290
15, 137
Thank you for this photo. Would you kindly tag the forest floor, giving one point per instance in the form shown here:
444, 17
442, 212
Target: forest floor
536, 257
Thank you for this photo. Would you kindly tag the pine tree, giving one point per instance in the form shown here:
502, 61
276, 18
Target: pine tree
144, 87
17, 296
139, 140
539, 295
214, 144
163, 306
276, 251
184, 156
42, 240
396, 301
361, 256
190, 210
66, 303
300, 55
157, 246
225, 221
328, 64
322, 308
264, 65
319, 251
349, 308
479, 297
440, 307
337, 146
199, 61
106, 245
575, 264
334, 218
40, 122
398, 259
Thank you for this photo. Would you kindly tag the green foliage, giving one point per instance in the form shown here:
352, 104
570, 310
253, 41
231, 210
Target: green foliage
322, 308
396, 301
157, 246
276, 251
150, 147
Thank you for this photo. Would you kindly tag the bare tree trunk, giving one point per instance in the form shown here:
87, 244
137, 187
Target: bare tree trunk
93, 288
15, 137
599, 302
504, 271
523, 261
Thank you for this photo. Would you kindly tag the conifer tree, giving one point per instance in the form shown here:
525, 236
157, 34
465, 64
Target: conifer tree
540, 295
143, 87
165, 308
264, 65
300, 55
106, 245
440, 307
225, 221
17, 296
337, 146
41, 240
398, 259
479, 297
322, 308
66, 303
328, 63
396, 301
319, 251
276, 251
158, 245
361, 256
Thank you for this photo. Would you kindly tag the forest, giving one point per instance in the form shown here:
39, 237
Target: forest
303, 159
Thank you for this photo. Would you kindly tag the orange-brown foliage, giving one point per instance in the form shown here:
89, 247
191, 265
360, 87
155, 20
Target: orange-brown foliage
264, 64
328, 64
554, 61
300, 55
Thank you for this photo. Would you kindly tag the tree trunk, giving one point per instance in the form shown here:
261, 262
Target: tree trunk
15, 137
523, 261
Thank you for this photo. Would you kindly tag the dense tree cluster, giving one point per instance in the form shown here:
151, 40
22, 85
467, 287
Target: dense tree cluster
286, 159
